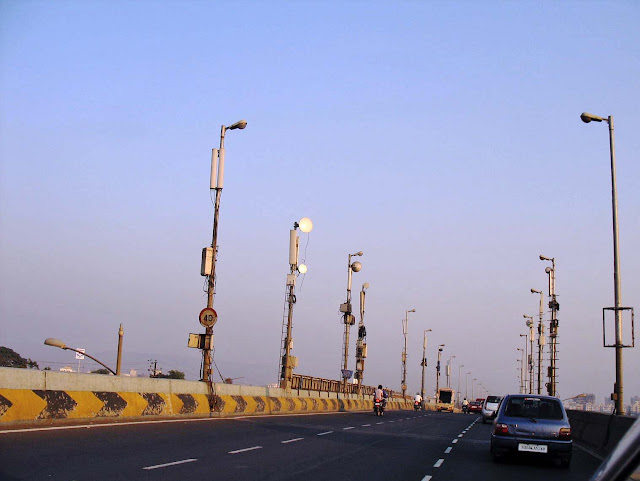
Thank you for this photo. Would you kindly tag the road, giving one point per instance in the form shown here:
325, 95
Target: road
411, 446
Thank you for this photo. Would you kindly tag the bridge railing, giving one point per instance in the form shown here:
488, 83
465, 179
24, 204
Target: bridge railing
319, 384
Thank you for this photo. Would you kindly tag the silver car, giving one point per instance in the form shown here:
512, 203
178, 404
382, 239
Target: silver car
490, 407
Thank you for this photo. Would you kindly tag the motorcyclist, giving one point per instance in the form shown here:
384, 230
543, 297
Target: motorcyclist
417, 401
465, 405
379, 394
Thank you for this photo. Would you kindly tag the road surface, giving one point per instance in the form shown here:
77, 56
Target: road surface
411, 446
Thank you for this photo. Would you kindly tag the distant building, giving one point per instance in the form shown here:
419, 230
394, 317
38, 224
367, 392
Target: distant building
66, 369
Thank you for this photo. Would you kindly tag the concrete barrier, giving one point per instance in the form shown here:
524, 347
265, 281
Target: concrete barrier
28, 396
597, 431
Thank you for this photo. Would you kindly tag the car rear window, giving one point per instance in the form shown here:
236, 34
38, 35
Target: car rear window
493, 399
532, 407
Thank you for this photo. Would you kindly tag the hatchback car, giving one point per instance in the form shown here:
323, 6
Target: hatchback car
475, 406
490, 407
532, 425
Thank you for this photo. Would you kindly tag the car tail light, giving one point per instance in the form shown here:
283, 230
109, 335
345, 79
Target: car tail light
501, 429
565, 433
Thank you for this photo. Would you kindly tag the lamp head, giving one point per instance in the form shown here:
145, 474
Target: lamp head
412, 310
305, 225
586, 117
50, 341
356, 266
241, 124
548, 270
302, 269
365, 286
359, 253
533, 291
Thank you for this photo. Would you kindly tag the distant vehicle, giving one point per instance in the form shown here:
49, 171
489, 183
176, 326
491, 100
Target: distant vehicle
490, 407
444, 399
532, 425
475, 407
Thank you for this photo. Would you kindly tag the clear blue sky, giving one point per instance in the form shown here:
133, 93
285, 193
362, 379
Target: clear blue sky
441, 138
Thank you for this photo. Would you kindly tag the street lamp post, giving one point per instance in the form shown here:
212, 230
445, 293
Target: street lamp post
405, 331
522, 378
348, 318
459, 392
618, 387
529, 324
440, 346
287, 361
553, 325
541, 339
466, 386
449, 364
361, 343
50, 341
524, 362
473, 381
209, 269
424, 360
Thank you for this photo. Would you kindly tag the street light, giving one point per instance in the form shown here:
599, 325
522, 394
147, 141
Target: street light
522, 378
459, 393
553, 325
525, 356
466, 386
288, 362
541, 339
618, 389
440, 346
210, 254
405, 331
348, 318
449, 364
529, 324
472, 386
361, 343
50, 341
424, 360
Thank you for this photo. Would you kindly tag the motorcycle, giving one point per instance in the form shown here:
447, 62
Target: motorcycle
465, 409
378, 406
416, 406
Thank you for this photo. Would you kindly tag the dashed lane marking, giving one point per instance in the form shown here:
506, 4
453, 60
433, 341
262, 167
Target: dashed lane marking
366, 425
348, 427
322, 434
291, 440
157, 466
454, 441
426, 478
460, 435
245, 450
381, 422
448, 450
438, 463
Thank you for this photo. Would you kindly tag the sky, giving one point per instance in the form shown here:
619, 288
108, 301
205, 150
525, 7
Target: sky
443, 139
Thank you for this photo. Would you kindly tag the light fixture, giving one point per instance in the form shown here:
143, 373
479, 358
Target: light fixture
305, 225
302, 269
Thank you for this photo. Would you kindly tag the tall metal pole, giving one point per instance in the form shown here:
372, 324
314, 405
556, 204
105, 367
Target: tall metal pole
405, 331
466, 386
525, 356
473, 381
616, 275
361, 343
119, 359
449, 364
541, 339
424, 360
217, 183
521, 370
459, 393
348, 318
438, 370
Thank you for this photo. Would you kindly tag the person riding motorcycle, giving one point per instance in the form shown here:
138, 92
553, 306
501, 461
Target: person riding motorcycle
417, 401
465, 406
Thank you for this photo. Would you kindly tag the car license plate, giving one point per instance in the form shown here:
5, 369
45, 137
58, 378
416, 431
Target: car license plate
532, 448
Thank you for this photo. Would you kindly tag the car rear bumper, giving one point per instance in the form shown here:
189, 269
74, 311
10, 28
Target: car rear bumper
509, 445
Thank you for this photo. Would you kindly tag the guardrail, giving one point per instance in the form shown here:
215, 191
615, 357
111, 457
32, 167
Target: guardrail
319, 384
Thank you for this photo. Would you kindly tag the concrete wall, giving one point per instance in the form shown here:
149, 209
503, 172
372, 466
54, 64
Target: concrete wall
599, 432
29, 396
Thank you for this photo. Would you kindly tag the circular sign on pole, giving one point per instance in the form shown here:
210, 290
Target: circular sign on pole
208, 317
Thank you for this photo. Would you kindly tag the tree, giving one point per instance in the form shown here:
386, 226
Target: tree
10, 358
101, 371
175, 375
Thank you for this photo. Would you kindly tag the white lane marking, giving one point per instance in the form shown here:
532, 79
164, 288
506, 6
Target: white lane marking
291, 440
381, 422
322, 434
245, 450
392, 421
438, 463
426, 478
164, 421
169, 464
454, 441
366, 425
349, 427
448, 450
460, 435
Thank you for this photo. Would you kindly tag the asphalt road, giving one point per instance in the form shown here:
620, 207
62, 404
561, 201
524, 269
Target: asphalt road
411, 446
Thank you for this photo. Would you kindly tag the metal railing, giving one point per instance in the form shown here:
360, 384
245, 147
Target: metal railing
319, 384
